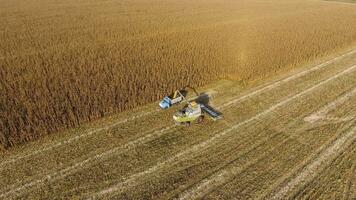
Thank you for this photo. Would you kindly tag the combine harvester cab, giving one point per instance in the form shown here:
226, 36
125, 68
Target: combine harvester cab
190, 113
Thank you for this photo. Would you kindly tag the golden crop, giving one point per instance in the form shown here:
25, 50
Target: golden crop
70, 61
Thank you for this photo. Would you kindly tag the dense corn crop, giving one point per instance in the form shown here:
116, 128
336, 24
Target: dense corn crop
66, 62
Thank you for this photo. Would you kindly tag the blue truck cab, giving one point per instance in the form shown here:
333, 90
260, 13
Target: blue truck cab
165, 103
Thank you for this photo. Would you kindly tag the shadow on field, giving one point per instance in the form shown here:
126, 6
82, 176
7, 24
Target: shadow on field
203, 98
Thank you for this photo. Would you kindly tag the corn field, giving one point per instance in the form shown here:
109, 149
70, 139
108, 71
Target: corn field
66, 62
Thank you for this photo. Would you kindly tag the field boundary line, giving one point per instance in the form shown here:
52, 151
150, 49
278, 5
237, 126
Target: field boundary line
322, 113
263, 88
199, 190
205, 143
313, 168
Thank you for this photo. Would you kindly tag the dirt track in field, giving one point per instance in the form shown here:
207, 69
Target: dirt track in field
277, 140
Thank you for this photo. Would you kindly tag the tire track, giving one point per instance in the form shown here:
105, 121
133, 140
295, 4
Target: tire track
86, 163
241, 168
263, 88
310, 171
273, 188
196, 148
225, 175
322, 181
351, 193
322, 113
251, 147
256, 167
75, 138
89, 161
295, 76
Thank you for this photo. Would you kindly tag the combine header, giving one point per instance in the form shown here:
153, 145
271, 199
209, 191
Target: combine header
214, 114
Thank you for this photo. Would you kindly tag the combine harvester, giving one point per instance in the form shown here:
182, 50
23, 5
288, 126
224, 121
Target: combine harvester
194, 112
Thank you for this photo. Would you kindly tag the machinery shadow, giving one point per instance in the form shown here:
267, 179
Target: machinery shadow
204, 99
184, 92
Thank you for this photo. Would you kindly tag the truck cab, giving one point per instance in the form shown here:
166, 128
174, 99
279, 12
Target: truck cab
165, 103
174, 98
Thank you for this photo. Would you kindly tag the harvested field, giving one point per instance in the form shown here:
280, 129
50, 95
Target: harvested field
64, 63
292, 136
